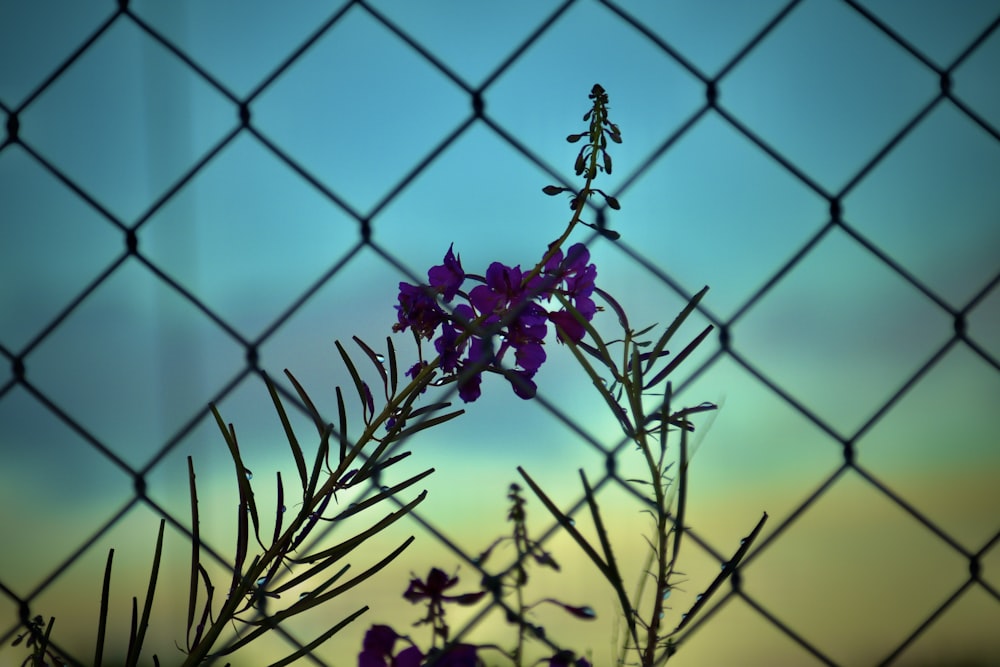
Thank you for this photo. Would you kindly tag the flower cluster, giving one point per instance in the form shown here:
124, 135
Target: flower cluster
508, 304
380, 640
432, 591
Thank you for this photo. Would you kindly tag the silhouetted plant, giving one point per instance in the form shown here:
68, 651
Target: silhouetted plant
498, 325
378, 647
508, 304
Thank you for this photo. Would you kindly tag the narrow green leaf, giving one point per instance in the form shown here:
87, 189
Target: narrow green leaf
605, 393
317, 469
44, 646
674, 326
393, 369
195, 550
305, 599
566, 524
377, 360
635, 369
133, 629
681, 497
668, 393
243, 476
102, 619
311, 646
242, 480
360, 507
389, 491
355, 376
206, 610
304, 397
381, 466
614, 575
309, 573
147, 608
348, 545
428, 423
644, 331
668, 369
346, 586
293, 442
595, 353
242, 542
727, 571
615, 306
342, 436
279, 511
605, 355
288, 612
424, 409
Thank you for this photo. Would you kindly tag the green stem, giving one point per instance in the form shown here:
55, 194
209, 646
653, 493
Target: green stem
596, 132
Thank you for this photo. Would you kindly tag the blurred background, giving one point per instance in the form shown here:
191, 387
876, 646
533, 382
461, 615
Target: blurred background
191, 193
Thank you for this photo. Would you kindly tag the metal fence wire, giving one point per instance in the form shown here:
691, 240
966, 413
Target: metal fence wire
477, 116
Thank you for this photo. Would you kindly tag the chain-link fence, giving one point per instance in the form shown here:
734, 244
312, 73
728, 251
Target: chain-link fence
446, 119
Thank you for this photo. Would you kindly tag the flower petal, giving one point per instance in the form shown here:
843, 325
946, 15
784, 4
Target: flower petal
447, 278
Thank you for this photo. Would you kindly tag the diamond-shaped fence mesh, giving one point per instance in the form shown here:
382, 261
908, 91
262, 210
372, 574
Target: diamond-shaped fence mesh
118, 164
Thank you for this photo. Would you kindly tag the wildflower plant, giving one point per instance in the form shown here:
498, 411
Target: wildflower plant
465, 325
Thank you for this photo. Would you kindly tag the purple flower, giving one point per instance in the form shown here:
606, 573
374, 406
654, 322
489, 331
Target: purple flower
469, 388
415, 369
410, 657
447, 344
505, 297
418, 310
502, 289
525, 335
568, 324
471, 376
576, 275
433, 592
380, 638
507, 306
522, 384
377, 650
447, 278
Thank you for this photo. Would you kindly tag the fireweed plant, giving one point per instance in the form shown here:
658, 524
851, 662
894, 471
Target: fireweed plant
496, 324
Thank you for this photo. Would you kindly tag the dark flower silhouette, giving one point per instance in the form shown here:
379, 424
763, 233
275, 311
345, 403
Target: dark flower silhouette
508, 304
377, 648
447, 278
432, 590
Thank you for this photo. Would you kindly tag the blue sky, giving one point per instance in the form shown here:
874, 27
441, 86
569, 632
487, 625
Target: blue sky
841, 330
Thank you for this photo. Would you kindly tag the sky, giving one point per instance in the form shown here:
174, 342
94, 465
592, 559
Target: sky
364, 112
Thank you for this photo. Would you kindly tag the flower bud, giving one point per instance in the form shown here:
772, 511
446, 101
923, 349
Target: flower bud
586, 613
